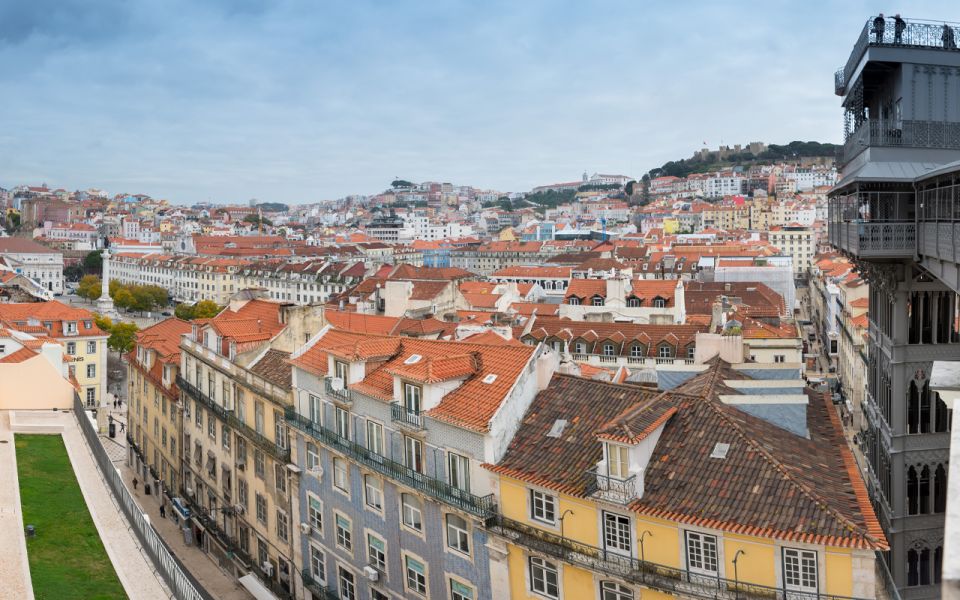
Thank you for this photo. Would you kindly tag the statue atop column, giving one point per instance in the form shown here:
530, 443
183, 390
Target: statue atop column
105, 303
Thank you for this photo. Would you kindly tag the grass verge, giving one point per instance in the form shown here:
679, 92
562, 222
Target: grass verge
67, 557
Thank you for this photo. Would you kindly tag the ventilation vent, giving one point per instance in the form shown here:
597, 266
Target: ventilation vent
412, 359
557, 430
720, 450
490, 378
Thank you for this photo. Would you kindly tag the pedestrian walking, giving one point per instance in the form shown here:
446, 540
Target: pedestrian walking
135, 482
949, 42
122, 427
878, 26
163, 511
898, 26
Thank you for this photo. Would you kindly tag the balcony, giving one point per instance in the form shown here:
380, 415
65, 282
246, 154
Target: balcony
611, 489
916, 34
343, 396
884, 239
903, 134
481, 506
671, 580
316, 589
267, 445
403, 416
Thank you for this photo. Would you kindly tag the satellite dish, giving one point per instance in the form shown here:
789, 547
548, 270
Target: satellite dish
337, 384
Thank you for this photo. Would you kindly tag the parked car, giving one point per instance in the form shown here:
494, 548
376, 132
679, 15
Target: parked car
167, 313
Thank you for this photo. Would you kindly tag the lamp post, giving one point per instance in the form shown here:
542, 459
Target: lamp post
736, 578
643, 559
562, 517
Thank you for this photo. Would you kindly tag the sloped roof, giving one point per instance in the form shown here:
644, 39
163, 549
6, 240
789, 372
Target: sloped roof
274, 366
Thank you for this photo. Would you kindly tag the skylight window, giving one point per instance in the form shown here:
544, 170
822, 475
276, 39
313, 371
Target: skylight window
490, 378
720, 450
557, 430
412, 359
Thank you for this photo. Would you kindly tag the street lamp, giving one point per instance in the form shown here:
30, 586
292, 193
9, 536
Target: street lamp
736, 578
643, 558
562, 516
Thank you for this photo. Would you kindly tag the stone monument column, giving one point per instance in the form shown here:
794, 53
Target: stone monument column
105, 303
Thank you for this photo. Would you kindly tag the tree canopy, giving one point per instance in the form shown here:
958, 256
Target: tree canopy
401, 183
205, 309
257, 219
93, 262
89, 287
122, 336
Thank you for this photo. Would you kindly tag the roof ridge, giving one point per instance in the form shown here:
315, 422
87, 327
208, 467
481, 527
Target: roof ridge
806, 490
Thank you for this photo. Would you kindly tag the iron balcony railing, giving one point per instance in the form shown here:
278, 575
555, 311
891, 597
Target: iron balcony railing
269, 446
343, 395
915, 34
481, 506
902, 134
672, 580
405, 416
883, 239
318, 590
611, 489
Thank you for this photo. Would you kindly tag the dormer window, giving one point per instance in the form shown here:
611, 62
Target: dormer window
412, 398
665, 351
574, 301
633, 302
659, 302
608, 349
636, 351
598, 300
341, 371
580, 348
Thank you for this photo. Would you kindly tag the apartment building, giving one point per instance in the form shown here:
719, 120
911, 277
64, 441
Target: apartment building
798, 242
390, 436
611, 491
623, 300
30, 259
309, 282
189, 278
493, 256
154, 410
235, 384
84, 343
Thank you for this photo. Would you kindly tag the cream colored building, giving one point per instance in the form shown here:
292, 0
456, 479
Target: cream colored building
797, 242
188, 278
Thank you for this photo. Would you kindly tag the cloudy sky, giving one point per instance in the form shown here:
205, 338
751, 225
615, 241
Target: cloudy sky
300, 101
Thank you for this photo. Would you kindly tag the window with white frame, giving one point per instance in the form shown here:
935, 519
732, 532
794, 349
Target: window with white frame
72, 348
91, 371
313, 457
375, 437
458, 533
376, 552
315, 512
318, 564
261, 502
543, 507
343, 423
800, 570
636, 351
664, 351
659, 303
544, 577
412, 398
283, 525
412, 511
611, 590
413, 453
340, 479
344, 532
616, 533
702, 552
416, 576
608, 349
348, 584
580, 348
597, 301
91, 347
316, 409
373, 492
460, 591
573, 301
340, 370
459, 471
618, 461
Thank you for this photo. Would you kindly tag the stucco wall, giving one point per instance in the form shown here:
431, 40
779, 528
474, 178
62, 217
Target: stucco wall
33, 384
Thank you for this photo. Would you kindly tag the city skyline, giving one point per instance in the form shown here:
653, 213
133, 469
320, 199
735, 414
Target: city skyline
228, 102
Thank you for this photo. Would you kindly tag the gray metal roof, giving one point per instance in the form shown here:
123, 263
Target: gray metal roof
947, 168
890, 171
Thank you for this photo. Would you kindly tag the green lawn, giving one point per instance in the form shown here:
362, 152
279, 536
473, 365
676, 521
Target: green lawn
67, 558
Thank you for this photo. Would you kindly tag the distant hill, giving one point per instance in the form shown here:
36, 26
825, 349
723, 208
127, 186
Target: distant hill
711, 161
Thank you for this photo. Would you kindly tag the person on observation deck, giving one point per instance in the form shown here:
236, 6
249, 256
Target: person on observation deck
898, 26
878, 26
949, 42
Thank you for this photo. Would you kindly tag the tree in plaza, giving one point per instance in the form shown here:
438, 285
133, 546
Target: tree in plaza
143, 299
89, 287
103, 322
122, 336
161, 297
123, 298
205, 309
93, 262
115, 287
73, 273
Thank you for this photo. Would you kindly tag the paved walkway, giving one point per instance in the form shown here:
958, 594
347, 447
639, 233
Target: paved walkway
14, 568
133, 568
218, 583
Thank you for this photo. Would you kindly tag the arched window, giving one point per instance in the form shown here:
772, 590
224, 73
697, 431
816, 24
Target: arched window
925, 408
659, 302
937, 564
633, 302
913, 492
940, 489
924, 566
611, 590
913, 567
925, 490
